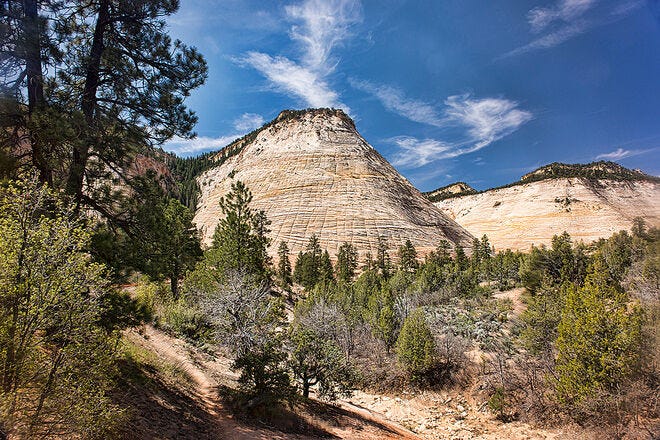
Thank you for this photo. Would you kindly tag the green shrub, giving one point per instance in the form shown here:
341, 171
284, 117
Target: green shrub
180, 318
497, 402
415, 347
148, 295
598, 338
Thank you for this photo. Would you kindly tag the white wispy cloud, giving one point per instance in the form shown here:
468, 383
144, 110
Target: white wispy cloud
322, 25
620, 153
483, 120
394, 100
293, 79
318, 27
627, 7
564, 11
567, 19
552, 39
416, 152
187, 147
248, 122
487, 119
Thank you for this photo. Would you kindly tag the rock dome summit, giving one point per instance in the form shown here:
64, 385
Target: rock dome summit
312, 173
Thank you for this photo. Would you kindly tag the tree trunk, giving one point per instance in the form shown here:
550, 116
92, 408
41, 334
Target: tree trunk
88, 104
35, 83
306, 388
46, 392
174, 286
10, 357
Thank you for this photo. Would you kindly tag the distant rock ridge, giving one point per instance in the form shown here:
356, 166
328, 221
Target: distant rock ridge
589, 201
594, 170
556, 170
312, 173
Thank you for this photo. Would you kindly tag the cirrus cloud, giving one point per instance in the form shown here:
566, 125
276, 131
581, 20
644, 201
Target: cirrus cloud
620, 153
567, 19
564, 11
483, 121
291, 78
394, 100
318, 27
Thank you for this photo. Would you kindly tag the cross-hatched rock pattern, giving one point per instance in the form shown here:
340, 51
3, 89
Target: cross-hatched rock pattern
588, 209
314, 174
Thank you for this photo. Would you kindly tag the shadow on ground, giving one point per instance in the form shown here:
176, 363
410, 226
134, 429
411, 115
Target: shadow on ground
158, 410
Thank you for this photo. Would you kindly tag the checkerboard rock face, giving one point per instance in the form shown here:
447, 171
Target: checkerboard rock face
313, 173
531, 213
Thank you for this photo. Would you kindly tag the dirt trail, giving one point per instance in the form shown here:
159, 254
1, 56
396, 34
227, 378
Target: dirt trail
365, 416
179, 353
348, 422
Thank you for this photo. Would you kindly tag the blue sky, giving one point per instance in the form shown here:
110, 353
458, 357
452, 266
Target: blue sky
473, 90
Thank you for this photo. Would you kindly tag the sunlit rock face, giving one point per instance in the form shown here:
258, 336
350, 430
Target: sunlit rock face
312, 173
531, 213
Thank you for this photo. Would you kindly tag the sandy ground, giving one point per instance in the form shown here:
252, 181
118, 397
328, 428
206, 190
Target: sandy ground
347, 421
449, 416
428, 415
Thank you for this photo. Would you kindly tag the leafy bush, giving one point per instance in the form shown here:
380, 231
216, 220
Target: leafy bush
415, 347
598, 338
177, 316
316, 360
57, 358
184, 319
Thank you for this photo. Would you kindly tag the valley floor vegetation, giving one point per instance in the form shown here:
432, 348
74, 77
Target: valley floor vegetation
584, 349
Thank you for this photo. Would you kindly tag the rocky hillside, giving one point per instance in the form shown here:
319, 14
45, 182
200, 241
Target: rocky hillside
453, 190
588, 201
595, 170
313, 173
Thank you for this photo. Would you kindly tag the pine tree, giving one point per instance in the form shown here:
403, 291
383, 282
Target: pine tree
408, 257
347, 262
179, 243
314, 249
307, 271
383, 262
415, 347
381, 316
316, 360
441, 255
116, 84
599, 337
325, 269
284, 274
240, 241
460, 260
369, 262
477, 254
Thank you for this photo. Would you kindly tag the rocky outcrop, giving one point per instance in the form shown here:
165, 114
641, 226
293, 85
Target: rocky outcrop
453, 190
520, 215
312, 173
152, 164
